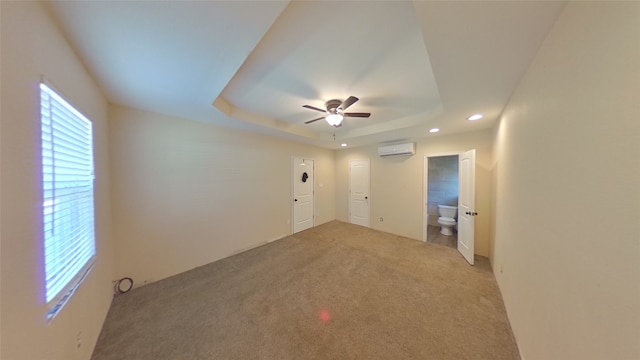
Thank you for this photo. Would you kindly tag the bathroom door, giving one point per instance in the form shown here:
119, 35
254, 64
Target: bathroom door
302, 202
466, 204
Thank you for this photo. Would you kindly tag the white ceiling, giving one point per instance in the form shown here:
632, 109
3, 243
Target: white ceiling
414, 65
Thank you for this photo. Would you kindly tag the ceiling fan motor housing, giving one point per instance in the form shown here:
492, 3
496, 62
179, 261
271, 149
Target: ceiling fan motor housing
333, 104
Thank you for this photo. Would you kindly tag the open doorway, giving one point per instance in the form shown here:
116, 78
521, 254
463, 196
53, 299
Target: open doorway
442, 192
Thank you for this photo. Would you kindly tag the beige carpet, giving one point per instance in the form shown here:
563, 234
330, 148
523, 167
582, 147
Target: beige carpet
337, 291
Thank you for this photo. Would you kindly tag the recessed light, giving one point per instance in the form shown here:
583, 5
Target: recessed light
475, 117
434, 130
343, 145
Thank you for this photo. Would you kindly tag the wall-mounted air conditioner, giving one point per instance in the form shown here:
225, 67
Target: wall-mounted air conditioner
397, 149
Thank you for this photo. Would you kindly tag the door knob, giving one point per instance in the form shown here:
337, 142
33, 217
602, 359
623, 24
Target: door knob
366, 197
295, 199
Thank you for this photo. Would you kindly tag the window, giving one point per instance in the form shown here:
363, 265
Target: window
67, 206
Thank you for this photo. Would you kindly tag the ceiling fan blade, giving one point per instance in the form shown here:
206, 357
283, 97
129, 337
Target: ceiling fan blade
313, 108
345, 104
361, 115
314, 120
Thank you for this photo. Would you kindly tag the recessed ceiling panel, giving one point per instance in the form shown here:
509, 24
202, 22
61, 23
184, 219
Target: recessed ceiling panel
317, 51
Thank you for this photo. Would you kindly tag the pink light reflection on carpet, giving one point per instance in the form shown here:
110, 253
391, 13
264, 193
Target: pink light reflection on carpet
324, 315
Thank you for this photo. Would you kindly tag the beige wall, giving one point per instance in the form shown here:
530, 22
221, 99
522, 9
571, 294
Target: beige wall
567, 224
187, 193
397, 184
31, 46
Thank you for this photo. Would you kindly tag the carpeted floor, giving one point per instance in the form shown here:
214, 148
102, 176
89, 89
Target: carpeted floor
336, 291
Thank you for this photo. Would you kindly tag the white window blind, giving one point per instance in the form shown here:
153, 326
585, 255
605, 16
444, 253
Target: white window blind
67, 184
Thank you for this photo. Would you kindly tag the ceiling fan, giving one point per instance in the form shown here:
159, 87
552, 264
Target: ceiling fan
335, 111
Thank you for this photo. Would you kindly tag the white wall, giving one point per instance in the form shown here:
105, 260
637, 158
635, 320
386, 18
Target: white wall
397, 184
31, 46
567, 173
187, 193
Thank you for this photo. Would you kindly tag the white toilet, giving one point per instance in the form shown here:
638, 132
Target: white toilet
447, 219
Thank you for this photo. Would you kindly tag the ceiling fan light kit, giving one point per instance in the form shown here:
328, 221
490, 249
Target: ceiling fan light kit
334, 119
335, 111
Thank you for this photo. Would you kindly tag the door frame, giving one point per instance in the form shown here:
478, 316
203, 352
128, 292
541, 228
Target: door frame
293, 192
425, 190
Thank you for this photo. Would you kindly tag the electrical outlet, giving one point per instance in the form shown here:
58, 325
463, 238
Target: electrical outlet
79, 340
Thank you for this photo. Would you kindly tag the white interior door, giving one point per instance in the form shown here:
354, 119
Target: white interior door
466, 204
359, 192
303, 201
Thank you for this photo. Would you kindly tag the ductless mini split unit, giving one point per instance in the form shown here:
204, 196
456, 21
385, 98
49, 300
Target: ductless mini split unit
397, 149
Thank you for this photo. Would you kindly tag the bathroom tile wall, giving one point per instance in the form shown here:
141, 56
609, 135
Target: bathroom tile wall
442, 184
